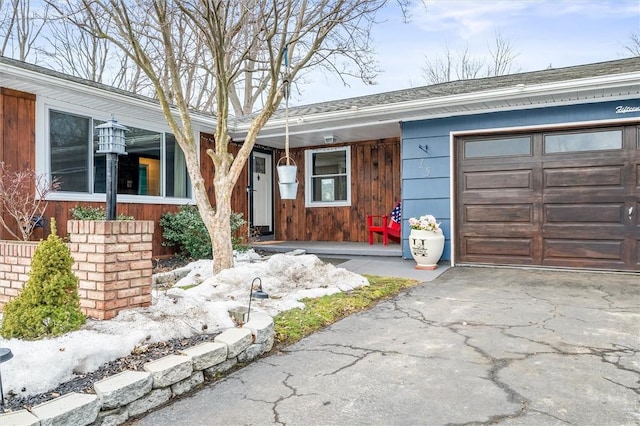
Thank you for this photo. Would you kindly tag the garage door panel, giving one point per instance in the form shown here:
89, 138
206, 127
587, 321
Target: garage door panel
576, 231
504, 247
608, 264
499, 213
584, 195
513, 230
502, 179
584, 249
585, 177
597, 214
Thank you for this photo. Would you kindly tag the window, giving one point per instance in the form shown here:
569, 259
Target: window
150, 157
497, 147
576, 142
69, 138
328, 177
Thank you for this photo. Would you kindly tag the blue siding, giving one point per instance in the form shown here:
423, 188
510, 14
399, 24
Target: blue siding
426, 176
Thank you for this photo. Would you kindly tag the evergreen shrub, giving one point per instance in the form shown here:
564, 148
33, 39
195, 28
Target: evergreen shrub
185, 230
49, 304
94, 213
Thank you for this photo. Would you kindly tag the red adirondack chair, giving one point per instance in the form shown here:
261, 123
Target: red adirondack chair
387, 225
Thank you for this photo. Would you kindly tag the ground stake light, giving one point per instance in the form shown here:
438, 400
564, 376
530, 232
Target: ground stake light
5, 355
111, 141
258, 294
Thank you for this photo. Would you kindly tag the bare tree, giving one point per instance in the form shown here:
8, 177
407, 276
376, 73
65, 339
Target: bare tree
246, 41
77, 52
633, 45
502, 57
21, 201
461, 65
451, 66
20, 27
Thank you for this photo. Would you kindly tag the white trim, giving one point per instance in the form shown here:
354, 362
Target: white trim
552, 126
118, 97
574, 87
308, 187
453, 223
43, 153
122, 198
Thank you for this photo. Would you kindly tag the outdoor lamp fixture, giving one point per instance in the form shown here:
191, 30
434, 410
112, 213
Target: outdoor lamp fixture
111, 141
258, 294
5, 355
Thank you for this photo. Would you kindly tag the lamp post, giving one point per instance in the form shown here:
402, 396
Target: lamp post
258, 294
5, 355
111, 141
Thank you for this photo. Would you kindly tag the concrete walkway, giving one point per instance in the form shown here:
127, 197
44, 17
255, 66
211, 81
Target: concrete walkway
474, 346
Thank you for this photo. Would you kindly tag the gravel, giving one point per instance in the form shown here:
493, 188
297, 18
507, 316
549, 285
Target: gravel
84, 382
142, 354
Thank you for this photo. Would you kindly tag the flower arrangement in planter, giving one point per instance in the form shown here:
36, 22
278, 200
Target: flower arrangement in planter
426, 241
424, 223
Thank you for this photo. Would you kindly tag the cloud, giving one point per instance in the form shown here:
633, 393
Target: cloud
469, 19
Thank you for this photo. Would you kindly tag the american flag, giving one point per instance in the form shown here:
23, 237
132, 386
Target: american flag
396, 217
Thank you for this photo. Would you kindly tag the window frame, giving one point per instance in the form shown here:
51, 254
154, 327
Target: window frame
43, 157
308, 196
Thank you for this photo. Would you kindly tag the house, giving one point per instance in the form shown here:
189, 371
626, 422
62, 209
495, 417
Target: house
538, 169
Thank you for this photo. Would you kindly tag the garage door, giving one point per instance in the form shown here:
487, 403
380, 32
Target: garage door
557, 199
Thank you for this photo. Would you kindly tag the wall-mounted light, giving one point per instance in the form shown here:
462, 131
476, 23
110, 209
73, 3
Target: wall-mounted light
329, 139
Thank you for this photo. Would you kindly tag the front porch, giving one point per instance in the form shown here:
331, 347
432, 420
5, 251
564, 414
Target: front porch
331, 248
360, 258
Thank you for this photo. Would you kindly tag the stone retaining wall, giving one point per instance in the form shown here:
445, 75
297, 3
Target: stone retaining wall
112, 262
133, 393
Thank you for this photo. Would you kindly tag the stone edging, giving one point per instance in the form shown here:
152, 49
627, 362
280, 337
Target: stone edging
132, 393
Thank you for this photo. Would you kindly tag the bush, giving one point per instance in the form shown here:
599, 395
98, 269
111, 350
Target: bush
185, 230
49, 304
93, 213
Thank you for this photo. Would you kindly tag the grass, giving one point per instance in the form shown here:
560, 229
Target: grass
294, 324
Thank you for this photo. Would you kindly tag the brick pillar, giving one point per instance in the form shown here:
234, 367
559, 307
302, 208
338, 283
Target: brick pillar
15, 264
113, 263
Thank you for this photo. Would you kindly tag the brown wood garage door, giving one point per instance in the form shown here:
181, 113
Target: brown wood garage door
557, 199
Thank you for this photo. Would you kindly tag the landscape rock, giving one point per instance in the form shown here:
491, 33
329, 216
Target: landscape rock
76, 409
169, 370
123, 388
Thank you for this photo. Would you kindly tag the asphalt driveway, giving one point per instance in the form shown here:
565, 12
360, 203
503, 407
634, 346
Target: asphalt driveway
474, 346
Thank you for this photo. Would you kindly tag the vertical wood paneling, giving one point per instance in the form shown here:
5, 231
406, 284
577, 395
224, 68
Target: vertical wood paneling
239, 202
374, 164
17, 139
375, 183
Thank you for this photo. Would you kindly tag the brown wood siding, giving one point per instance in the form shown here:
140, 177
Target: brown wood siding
375, 174
61, 211
239, 202
17, 137
17, 150
375, 189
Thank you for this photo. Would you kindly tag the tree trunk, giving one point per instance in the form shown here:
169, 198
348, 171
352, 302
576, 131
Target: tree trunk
221, 228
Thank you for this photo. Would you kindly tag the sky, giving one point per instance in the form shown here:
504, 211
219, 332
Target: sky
178, 312
543, 33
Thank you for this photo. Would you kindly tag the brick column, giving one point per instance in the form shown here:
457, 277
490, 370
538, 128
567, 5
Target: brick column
113, 263
15, 264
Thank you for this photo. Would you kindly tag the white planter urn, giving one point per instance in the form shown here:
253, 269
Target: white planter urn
426, 248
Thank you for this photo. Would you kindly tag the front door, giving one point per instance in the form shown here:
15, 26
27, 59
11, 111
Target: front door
261, 193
